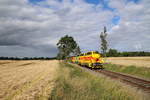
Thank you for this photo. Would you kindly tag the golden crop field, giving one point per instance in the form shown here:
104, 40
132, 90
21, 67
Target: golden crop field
27, 80
137, 61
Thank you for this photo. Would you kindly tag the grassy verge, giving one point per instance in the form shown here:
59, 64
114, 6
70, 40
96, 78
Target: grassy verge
133, 70
74, 83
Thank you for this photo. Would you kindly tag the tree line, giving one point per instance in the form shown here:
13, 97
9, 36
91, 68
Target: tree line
115, 53
27, 58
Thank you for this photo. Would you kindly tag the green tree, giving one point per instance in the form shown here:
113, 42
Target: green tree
112, 53
77, 51
66, 46
104, 45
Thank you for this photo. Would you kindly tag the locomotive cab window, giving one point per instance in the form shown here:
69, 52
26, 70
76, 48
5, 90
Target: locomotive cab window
81, 55
89, 53
95, 52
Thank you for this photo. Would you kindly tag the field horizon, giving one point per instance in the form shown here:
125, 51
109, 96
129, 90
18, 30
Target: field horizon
129, 61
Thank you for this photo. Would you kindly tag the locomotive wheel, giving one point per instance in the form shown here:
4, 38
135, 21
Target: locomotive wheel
89, 65
80, 64
92, 66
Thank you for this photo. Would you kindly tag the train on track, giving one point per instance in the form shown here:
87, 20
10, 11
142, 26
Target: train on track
92, 59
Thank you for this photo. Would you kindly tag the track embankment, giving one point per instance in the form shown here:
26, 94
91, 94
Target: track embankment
134, 81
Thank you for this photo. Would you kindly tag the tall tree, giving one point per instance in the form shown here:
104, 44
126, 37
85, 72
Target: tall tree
104, 45
66, 45
77, 51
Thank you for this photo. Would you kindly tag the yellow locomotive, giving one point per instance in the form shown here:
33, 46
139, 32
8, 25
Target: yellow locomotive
90, 59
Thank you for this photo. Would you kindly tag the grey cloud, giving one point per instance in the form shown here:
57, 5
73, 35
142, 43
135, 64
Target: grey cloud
33, 30
133, 28
28, 27
34, 51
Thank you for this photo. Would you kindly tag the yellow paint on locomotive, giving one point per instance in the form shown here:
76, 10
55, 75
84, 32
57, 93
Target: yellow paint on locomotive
91, 59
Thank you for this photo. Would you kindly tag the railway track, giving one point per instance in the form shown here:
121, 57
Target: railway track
139, 83
131, 80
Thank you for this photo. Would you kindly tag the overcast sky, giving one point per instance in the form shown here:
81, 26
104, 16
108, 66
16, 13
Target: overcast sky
33, 27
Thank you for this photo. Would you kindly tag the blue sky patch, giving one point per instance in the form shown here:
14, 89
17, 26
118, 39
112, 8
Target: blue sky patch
104, 4
93, 1
115, 20
135, 1
35, 1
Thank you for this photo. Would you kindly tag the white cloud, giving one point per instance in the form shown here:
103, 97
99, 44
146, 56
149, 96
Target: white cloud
133, 29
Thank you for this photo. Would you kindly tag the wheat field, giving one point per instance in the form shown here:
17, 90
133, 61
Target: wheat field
27, 80
127, 61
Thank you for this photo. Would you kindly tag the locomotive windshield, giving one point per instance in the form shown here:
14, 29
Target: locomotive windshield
96, 52
81, 54
89, 53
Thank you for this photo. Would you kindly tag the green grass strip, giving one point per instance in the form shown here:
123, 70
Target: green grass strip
133, 70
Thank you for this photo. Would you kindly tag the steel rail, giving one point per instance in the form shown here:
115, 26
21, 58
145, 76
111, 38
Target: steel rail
138, 82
